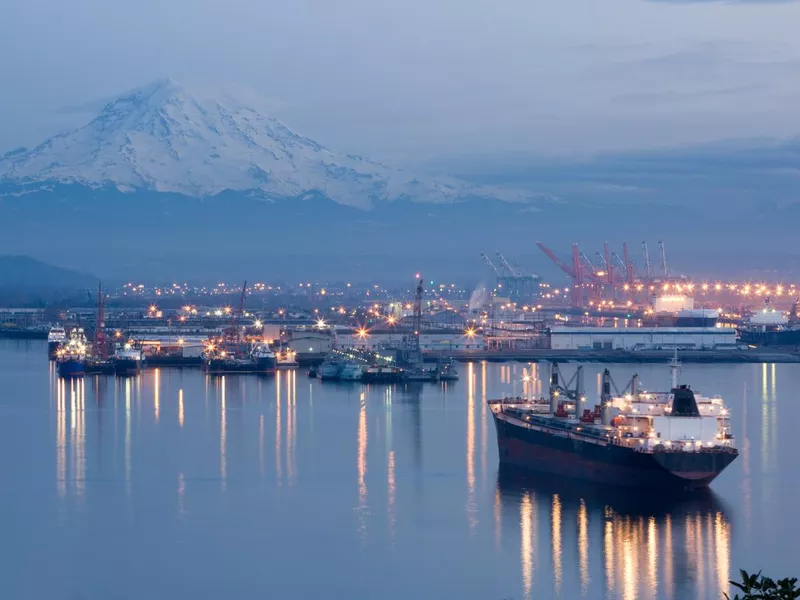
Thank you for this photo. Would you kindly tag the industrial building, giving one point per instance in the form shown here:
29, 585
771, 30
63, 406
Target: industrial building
641, 338
444, 341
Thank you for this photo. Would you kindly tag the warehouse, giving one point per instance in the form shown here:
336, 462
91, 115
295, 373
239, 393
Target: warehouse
641, 338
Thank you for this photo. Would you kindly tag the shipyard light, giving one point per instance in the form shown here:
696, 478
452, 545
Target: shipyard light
258, 324
321, 323
181, 342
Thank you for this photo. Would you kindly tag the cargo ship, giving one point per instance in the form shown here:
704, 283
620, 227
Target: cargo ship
674, 440
56, 338
128, 359
71, 356
770, 327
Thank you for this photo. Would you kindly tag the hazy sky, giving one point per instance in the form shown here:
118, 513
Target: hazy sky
418, 78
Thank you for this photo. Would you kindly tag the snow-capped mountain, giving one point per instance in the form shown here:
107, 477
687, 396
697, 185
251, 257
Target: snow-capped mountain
162, 138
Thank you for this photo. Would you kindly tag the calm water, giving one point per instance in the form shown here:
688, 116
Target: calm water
177, 485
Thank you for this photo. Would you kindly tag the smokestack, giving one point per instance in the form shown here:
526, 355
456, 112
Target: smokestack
635, 385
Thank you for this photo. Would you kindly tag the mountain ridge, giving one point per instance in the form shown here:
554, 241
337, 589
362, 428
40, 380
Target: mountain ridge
162, 138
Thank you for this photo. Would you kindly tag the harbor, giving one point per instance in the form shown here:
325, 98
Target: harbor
249, 455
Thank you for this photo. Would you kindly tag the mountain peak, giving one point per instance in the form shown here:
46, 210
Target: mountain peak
153, 94
161, 137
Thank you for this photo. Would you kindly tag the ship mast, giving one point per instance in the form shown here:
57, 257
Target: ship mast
100, 349
675, 367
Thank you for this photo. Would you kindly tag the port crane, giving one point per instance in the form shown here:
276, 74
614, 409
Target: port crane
515, 283
233, 334
413, 354
100, 342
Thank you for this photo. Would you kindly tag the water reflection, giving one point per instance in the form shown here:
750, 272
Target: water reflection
648, 546
278, 425
391, 491
61, 437
180, 408
128, 459
361, 466
223, 434
471, 508
156, 394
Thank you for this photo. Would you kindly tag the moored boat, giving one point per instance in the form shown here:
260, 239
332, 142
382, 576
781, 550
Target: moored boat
329, 369
56, 337
71, 356
447, 370
664, 440
128, 359
265, 359
352, 371
378, 373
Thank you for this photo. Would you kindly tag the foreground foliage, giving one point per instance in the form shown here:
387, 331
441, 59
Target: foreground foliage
759, 587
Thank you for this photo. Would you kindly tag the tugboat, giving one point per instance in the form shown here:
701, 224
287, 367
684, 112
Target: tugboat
447, 370
264, 357
56, 338
287, 359
71, 356
674, 440
128, 359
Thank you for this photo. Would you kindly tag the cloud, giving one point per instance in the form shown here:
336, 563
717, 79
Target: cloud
724, 1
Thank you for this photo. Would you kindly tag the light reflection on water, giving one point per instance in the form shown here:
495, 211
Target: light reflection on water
379, 468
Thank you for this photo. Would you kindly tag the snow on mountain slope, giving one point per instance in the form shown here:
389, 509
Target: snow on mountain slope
160, 137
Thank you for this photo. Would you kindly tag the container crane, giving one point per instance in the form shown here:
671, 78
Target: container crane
648, 268
629, 267
664, 266
516, 284
506, 264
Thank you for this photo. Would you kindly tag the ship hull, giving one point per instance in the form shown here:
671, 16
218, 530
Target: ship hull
127, 366
382, 376
545, 452
266, 364
221, 367
786, 337
71, 368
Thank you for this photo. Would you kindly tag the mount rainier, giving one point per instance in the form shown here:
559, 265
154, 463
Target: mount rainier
162, 138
